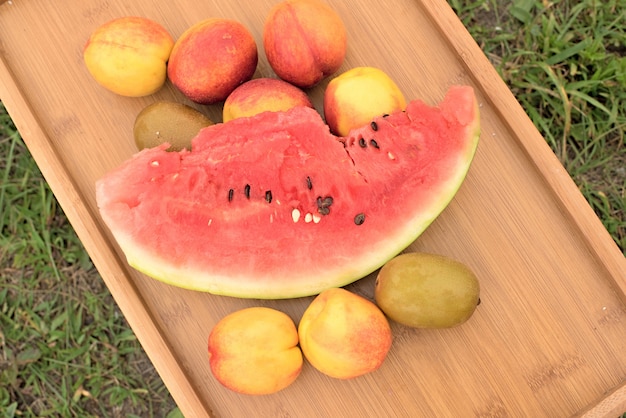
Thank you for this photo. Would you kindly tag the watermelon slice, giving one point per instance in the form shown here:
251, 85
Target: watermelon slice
274, 206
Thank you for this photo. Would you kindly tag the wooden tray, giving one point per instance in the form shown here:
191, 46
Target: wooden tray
549, 339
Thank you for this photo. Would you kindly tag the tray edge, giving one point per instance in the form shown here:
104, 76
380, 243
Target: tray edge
89, 232
572, 202
83, 219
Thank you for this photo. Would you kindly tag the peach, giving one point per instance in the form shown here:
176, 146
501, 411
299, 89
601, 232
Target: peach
344, 335
358, 95
261, 95
255, 351
304, 41
211, 58
128, 55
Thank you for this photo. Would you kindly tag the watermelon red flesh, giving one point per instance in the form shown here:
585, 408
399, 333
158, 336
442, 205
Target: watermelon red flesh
274, 206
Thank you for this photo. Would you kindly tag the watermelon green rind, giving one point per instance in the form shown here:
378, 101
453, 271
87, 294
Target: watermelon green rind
173, 217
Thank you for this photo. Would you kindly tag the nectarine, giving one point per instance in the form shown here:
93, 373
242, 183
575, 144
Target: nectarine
263, 94
304, 41
344, 335
211, 58
255, 351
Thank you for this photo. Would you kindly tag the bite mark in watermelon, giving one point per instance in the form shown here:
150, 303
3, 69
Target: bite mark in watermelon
274, 206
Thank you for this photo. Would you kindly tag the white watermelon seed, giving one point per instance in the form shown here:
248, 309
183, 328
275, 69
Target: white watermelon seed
308, 218
295, 215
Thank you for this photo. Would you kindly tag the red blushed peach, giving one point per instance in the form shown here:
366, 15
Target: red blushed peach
261, 95
128, 55
255, 351
354, 98
344, 335
211, 58
304, 41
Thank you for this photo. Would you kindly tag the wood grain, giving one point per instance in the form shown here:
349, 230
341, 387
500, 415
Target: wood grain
549, 338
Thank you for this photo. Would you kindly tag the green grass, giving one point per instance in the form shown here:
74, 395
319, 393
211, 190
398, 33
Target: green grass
565, 62
66, 350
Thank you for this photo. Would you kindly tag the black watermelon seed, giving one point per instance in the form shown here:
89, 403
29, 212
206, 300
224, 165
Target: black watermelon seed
323, 211
268, 196
374, 143
231, 192
309, 185
385, 115
323, 204
246, 190
362, 143
359, 219
374, 125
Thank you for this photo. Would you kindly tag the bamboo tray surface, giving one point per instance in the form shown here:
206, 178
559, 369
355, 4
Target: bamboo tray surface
549, 338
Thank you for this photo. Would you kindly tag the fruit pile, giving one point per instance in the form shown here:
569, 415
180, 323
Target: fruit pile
213, 62
260, 350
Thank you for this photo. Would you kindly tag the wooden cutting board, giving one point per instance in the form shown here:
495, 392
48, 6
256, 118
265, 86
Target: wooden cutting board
549, 338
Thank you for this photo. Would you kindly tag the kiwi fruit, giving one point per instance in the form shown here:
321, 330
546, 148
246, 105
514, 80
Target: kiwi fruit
423, 290
171, 122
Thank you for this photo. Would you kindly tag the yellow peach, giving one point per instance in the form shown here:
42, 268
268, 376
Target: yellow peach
128, 55
304, 41
358, 95
211, 58
344, 335
255, 351
261, 95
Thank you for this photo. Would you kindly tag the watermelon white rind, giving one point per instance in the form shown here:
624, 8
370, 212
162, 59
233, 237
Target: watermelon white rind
274, 206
